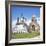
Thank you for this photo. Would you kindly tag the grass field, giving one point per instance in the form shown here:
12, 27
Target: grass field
25, 35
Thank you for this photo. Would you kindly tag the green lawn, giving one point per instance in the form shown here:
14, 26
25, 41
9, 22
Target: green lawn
25, 35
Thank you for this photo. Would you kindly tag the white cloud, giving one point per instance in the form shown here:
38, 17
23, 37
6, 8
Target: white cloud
13, 23
38, 20
28, 21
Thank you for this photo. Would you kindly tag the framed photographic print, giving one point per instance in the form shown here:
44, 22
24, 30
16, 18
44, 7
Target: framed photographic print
25, 22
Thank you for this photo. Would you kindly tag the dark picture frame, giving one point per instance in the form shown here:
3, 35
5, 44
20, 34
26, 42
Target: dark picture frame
7, 21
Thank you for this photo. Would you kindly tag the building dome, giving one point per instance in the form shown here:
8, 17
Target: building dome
33, 16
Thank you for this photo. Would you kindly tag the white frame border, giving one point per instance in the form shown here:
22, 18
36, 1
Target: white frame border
41, 25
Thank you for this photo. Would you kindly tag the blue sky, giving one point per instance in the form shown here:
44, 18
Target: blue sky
27, 12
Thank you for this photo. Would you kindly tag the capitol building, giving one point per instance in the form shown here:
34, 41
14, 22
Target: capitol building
22, 27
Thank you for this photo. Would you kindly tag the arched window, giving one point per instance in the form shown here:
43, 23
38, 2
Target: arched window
33, 27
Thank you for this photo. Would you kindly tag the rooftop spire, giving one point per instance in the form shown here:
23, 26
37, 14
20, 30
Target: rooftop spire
21, 14
33, 15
